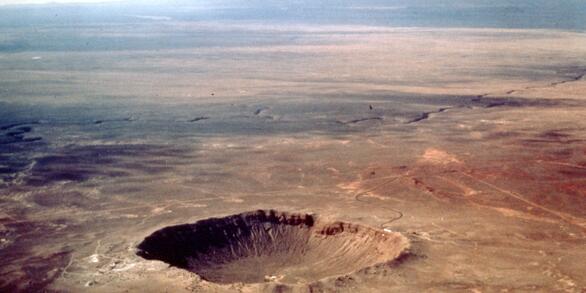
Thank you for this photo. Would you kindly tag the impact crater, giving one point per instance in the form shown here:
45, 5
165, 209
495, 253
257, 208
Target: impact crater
267, 246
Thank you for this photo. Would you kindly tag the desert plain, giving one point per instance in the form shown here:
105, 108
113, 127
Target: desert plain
467, 140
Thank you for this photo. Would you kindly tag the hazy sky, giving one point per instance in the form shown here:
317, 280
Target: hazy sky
10, 2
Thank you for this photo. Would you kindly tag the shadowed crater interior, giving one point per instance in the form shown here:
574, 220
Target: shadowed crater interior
266, 246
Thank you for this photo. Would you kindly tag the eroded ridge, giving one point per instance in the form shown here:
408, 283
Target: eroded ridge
263, 246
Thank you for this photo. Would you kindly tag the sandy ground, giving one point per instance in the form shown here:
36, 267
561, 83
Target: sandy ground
469, 142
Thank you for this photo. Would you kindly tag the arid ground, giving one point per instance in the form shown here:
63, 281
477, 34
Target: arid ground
469, 141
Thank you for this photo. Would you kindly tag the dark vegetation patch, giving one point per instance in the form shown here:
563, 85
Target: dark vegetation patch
36, 273
81, 163
16, 146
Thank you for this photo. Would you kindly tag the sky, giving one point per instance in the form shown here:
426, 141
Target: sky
526, 14
12, 2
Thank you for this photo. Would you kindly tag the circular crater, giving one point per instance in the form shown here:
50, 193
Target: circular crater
263, 246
